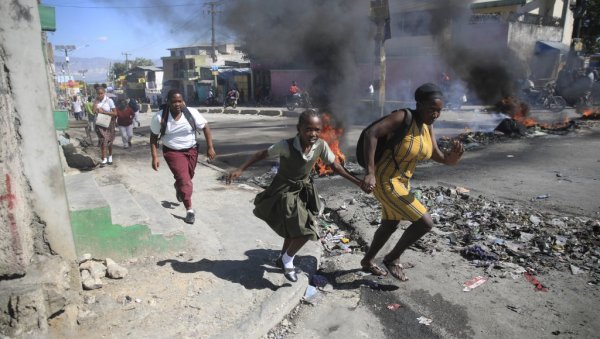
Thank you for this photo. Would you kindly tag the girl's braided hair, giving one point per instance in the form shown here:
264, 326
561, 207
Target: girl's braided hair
306, 116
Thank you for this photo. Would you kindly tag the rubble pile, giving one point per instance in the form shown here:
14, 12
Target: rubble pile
92, 270
504, 235
473, 140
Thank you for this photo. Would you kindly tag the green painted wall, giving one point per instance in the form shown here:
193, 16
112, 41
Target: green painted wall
95, 233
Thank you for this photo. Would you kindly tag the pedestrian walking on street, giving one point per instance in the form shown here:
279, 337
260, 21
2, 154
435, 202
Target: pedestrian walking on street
389, 178
290, 204
176, 126
125, 118
77, 107
103, 105
135, 107
88, 107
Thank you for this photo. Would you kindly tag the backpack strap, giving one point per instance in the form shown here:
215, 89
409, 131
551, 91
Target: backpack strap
165, 117
190, 118
163, 121
400, 134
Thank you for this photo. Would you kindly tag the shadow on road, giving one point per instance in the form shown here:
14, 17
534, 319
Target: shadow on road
248, 273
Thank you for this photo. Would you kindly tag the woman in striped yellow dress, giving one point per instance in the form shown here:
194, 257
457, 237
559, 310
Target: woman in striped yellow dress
389, 178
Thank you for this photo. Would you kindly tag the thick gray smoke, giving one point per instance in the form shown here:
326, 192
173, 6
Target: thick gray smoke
326, 36
477, 53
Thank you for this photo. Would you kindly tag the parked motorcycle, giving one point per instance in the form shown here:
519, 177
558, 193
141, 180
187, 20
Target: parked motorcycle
230, 101
212, 101
545, 98
294, 101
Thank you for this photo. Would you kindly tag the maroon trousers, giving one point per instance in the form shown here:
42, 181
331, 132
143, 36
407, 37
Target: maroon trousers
182, 164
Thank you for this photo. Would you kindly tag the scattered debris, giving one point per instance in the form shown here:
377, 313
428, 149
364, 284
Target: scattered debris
474, 283
502, 236
424, 321
513, 308
318, 280
394, 307
114, 271
534, 281
575, 270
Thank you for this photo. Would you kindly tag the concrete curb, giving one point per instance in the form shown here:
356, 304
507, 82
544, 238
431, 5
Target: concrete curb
270, 313
266, 111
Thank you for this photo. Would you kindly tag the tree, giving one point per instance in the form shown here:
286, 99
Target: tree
119, 68
590, 30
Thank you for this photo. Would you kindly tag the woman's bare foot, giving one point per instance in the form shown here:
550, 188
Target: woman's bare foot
369, 266
396, 268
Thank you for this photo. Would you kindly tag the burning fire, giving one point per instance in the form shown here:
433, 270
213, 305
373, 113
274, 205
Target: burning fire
590, 113
332, 136
519, 111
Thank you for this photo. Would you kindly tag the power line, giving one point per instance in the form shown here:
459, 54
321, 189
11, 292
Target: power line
126, 7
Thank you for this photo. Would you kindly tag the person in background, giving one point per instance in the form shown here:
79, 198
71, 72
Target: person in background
180, 149
106, 135
76, 107
88, 108
135, 107
290, 205
389, 178
294, 90
125, 118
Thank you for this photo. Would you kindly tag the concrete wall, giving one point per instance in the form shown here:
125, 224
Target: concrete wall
34, 210
522, 37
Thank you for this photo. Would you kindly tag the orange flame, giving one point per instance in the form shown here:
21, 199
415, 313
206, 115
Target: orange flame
332, 136
519, 111
589, 113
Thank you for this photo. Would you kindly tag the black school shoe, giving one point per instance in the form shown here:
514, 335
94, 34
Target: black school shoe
290, 274
190, 218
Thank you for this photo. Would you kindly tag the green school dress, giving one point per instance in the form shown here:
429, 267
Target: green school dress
290, 204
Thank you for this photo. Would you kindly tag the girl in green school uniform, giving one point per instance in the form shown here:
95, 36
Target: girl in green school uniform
290, 204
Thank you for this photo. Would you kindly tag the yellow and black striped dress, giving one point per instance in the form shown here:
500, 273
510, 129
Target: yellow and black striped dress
393, 186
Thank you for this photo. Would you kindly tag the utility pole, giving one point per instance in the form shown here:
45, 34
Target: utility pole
380, 14
66, 49
82, 72
126, 60
212, 10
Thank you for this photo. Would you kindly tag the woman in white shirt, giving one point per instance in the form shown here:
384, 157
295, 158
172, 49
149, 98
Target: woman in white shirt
106, 135
179, 145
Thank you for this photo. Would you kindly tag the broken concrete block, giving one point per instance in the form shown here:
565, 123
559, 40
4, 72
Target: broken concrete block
114, 271
85, 257
23, 310
88, 282
95, 268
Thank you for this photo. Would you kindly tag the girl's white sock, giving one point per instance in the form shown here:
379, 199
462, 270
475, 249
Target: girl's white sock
110, 158
104, 161
288, 262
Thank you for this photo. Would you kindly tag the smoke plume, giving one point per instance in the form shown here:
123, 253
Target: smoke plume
325, 36
477, 53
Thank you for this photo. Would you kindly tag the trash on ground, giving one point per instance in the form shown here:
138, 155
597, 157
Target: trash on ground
318, 280
532, 279
425, 321
474, 283
394, 307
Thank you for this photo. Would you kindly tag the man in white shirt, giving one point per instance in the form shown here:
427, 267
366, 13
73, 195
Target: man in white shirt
179, 146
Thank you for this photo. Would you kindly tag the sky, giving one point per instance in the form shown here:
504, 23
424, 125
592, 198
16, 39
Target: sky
143, 28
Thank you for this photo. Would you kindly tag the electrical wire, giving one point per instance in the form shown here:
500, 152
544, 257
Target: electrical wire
126, 7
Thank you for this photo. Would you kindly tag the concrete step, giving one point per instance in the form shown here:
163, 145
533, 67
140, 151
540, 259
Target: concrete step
124, 210
161, 222
82, 192
107, 221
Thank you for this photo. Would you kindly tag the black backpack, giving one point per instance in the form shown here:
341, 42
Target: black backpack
383, 143
165, 117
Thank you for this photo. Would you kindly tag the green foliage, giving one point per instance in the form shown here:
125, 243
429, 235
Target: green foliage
590, 30
119, 68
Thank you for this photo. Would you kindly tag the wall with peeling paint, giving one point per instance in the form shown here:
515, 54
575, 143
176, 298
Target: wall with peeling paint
33, 207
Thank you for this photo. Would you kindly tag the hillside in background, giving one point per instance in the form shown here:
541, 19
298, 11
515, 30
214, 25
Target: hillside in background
97, 68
